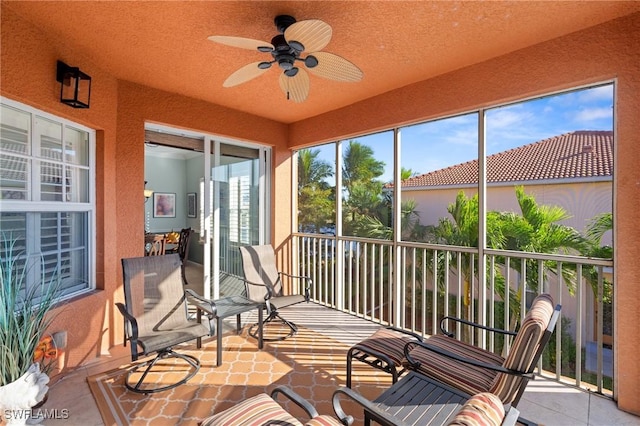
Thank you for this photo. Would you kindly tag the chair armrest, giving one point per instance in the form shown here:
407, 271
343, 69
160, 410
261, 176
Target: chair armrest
407, 332
133, 323
205, 305
472, 324
307, 288
348, 420
296, 399
415, 364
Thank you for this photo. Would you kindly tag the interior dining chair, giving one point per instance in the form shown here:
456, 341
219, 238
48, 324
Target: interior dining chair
156, 320
155, 245
182, 249
263, 283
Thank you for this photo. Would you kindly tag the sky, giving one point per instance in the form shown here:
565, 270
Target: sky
434, 145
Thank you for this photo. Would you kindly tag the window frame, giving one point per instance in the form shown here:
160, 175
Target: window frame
38, 206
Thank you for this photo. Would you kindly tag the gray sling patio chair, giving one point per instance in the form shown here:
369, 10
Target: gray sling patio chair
263, 283
156, 318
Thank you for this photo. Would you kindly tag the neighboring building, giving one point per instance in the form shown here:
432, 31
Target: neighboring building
573, 171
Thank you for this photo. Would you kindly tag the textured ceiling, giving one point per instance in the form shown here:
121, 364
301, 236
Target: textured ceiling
164, 44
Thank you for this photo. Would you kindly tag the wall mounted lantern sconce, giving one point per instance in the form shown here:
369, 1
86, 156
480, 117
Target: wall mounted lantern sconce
147, 192
75, 86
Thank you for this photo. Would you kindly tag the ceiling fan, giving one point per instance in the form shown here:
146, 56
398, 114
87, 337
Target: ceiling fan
286, 49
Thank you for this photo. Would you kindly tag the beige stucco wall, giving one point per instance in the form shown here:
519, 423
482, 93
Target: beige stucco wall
119, 109
582, 201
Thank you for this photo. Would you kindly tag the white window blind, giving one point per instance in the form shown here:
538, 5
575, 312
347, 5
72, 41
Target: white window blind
46, 176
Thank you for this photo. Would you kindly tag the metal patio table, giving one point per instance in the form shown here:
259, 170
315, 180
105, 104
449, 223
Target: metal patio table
226, 307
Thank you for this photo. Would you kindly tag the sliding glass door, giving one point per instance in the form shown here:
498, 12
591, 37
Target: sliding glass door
238, 212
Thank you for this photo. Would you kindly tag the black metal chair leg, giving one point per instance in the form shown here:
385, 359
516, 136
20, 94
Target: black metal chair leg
192, 361
273, 316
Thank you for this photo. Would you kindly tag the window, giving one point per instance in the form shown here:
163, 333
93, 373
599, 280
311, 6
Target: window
46, 177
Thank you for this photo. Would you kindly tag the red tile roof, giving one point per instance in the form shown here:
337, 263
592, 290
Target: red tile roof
579, 154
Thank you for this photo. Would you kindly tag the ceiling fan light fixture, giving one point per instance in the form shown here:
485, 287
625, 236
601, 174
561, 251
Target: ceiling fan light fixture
311, 61
264, 65
292, 72
286, 61
296, 45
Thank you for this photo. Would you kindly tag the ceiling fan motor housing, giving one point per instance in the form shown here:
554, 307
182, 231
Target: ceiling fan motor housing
283, 22
282, 53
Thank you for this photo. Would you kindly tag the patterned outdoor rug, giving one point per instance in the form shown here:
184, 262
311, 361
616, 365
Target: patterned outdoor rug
310, 363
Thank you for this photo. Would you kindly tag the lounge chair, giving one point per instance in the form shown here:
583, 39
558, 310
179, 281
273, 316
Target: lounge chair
460, 365
474, 370
262, 410
383, 350
484, 409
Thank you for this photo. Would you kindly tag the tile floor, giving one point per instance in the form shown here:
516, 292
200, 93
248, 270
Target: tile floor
545, 402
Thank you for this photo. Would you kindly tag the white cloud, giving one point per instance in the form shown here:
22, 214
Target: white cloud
508, 117
587, 115
602, 93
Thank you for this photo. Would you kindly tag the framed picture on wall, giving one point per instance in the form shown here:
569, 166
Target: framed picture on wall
164, 204
192, 205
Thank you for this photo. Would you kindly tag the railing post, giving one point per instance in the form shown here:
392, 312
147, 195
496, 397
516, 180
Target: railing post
339, 243
482, 226
397, 229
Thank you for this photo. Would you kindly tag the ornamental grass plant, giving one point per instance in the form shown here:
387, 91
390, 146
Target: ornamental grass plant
27, 296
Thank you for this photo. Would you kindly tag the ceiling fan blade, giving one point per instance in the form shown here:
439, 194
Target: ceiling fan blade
243, 43
244, 74
334, 67
312, 33
297, 87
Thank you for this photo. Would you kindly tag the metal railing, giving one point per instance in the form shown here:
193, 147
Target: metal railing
414, 285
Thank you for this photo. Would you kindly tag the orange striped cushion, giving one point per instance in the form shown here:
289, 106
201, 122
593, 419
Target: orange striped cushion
483, 409
323, 420
389, 342
524, 347
256, 411
466, 377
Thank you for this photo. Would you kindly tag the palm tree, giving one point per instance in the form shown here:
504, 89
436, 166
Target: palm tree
360, 173
462, 230
312, 170
535, 229
315, 195
597, 228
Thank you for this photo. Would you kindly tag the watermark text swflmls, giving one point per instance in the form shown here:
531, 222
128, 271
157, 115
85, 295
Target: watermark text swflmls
40, 413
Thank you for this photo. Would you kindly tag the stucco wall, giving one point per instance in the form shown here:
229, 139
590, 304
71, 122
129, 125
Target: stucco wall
29, 76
